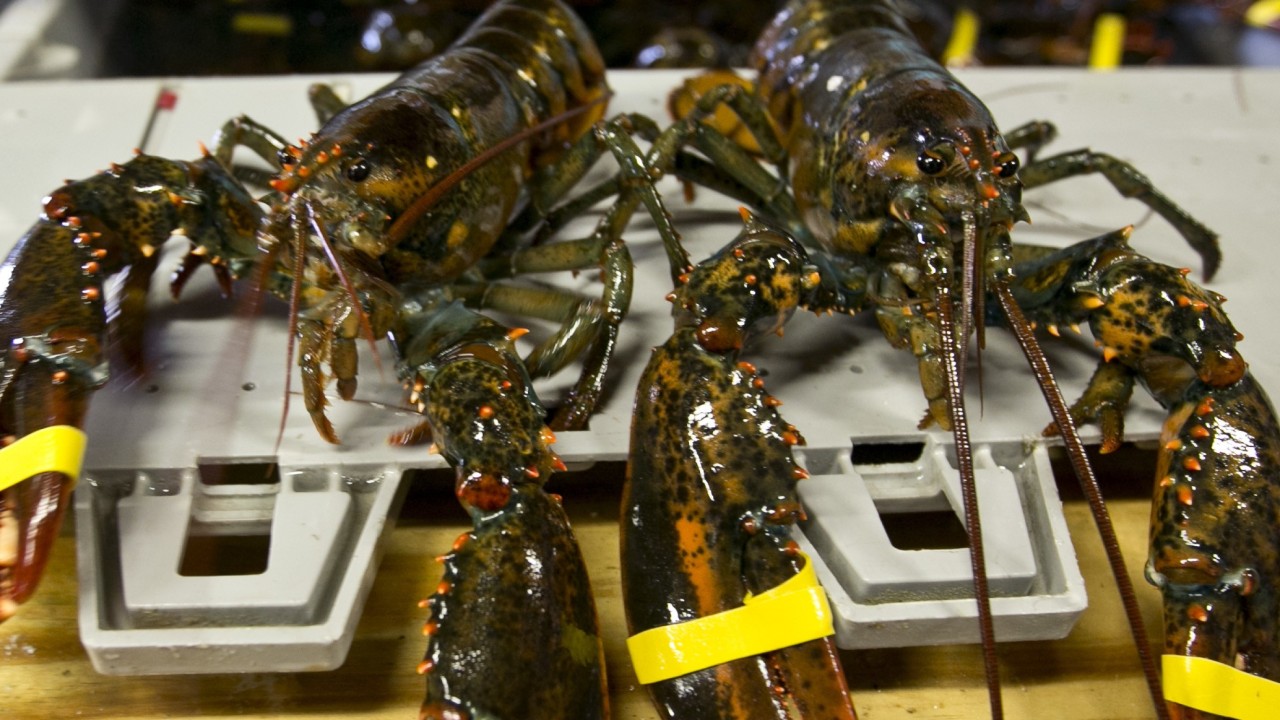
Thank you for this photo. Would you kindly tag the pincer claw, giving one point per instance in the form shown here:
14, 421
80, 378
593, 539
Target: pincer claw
37, 474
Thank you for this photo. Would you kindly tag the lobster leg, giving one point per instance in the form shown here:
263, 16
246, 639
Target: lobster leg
53, 317
1131, 184
513, 633
709, 497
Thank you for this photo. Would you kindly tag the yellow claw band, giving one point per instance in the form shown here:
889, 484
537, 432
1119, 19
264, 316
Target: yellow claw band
792, 613
1219, 689
1107, 49
53, 449
964, 39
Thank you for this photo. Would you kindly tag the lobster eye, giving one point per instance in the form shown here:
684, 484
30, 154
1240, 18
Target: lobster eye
1007, 164
930, 162
285, 158
358, 170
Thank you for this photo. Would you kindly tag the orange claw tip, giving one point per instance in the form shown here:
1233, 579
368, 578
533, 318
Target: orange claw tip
1205, 407
1110, 353
444, 587
1191, 464
532, 472
423, 603
1053, 330
517, 333
429, 628
548, 435
1174, 444
772, 401
558, 464
1092, 302
425, 667
1200, 432
461, 540
746, 367
799, 473
1166, 481
744, 213
485, 412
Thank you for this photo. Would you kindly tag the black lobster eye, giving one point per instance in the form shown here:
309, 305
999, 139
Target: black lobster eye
930, 162
358, 170
285, 157
1007, 164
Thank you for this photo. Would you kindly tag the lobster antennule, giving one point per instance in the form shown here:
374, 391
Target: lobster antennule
295, 301
1088, 483
366, 328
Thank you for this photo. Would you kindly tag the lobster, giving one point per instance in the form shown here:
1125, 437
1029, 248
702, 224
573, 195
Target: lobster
54, 322
897, 181
400, 217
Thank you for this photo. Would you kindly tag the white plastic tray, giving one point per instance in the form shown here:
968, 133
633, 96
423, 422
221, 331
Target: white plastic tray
214, 391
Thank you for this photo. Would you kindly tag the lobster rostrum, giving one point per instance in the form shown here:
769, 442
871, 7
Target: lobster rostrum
904, 192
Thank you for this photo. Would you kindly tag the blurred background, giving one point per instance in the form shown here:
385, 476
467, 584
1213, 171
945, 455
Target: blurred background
46, 39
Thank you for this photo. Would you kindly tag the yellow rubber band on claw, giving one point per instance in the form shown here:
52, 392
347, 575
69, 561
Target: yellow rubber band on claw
53, 449
1220, 689
792, 613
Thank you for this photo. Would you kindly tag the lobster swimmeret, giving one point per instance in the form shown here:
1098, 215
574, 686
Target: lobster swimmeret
904, 193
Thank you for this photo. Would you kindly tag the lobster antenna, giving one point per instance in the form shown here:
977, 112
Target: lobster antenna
366, 328
427, 200
969, 493
1088, 483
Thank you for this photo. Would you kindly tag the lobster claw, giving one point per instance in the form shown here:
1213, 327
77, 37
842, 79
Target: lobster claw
30, 516
37, 474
